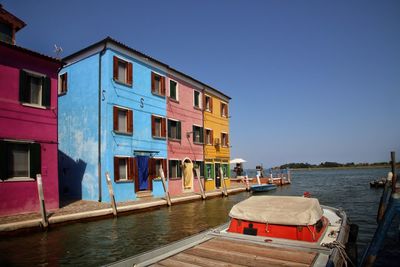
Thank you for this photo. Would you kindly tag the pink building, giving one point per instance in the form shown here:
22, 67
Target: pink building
28, 123
185, 131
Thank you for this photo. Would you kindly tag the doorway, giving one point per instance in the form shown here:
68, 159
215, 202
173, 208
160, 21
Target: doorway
217, 176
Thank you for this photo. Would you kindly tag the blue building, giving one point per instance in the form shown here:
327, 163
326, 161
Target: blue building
112, 118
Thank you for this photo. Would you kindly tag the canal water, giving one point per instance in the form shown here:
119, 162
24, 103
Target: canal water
105, 241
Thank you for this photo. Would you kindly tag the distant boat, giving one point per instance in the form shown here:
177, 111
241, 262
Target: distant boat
378, 183
262, 187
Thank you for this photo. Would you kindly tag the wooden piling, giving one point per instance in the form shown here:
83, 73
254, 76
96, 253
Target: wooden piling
164, 183
111, 192
203, 194
221, 174
394, 178
45, 221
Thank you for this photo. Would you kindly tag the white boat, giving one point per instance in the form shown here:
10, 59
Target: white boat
263, 231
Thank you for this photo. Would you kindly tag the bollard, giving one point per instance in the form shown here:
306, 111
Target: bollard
44, 222
111, 192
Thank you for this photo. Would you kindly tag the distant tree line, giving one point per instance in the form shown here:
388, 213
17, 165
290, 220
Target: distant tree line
328, 164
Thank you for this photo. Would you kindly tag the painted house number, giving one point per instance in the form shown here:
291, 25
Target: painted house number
141, 102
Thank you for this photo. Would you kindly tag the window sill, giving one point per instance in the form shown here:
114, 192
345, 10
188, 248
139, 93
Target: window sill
209, 144
159, 95
210, 179
198, 108
62, 94
159, 137
124, 182
18, 179
197, 143
122, 83
34, 106
173, 100
174, 140
123, 133
208, 110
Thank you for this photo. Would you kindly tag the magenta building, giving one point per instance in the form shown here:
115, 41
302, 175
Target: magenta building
28, 123
185, 130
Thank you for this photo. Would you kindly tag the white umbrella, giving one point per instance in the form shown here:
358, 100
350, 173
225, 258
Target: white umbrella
237, 160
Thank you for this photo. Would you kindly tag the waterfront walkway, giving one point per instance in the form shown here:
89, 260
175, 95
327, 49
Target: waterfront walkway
83, 210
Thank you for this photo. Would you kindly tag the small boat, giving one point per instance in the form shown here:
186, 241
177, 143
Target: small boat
378, 183
263, 231
262, 187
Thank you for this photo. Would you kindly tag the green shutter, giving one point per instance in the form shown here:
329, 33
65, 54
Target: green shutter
178, 125
23, 90
34, 160
46, 91
3, 160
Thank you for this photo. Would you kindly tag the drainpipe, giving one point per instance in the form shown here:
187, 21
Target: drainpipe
99, 121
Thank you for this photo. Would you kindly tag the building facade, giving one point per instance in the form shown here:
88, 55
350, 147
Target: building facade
28, 123
216, 138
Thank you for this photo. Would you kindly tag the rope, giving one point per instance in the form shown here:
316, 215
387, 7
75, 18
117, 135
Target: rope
342, 251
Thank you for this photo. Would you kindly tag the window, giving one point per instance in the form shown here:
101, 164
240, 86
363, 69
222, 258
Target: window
6, 33
209, 137
62, 84
208, 103
157, 84
200, 165
209, 171
196, 100
198, 134
154, 168
122, 71
224, 110
34, 89
158, 127
173, 90
174, 169
224, 139
19, 161
125, 169
225, 170
174, 130
123, 120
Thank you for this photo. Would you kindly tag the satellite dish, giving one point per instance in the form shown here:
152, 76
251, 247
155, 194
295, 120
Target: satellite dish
58, 50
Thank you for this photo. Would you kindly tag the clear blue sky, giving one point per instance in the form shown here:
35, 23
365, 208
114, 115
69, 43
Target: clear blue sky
310, 81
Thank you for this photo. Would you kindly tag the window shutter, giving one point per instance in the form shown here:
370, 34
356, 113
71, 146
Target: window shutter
169, 129
204, 102
132, 171
163, 127
129, 74
115, 68
130, 121
152, 168
179, 135
194, 133
152, 82
226, 110
211, 104
169, 168
116, 169
227, 140
65, 83
3, 160
163, 85
212, 136
115, 115
46, 96
201, 135
164, 167
153, 126
34, 160
179, 172
23, 90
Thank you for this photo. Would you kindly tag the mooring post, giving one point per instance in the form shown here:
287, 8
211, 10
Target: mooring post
111, 192
164, 183
221, 174
44, 222
394, 178
203, 195
384, 198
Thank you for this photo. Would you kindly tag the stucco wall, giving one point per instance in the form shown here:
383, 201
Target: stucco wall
19, 122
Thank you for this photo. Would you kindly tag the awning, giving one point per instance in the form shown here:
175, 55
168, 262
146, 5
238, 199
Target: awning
237, 160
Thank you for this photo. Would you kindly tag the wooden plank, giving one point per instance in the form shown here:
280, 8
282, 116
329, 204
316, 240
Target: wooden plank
264, 251
172, 262
202, 261
234, 257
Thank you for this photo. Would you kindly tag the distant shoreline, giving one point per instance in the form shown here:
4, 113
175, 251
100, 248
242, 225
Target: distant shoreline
344, 168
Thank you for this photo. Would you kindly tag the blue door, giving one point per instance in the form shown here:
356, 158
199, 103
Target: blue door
143, 172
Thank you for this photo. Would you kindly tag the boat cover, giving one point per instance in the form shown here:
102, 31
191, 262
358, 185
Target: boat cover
282, 210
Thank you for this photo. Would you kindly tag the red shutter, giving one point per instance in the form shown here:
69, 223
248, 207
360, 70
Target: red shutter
152, 82
116, 169
163, 127
152, 168
227, 140
115, 69
133, 171
153, 126
204, 102
163, 85
115, 116
129, 75
130, 121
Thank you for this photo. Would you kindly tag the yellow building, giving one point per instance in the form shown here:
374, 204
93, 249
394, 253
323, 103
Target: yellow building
216, 138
